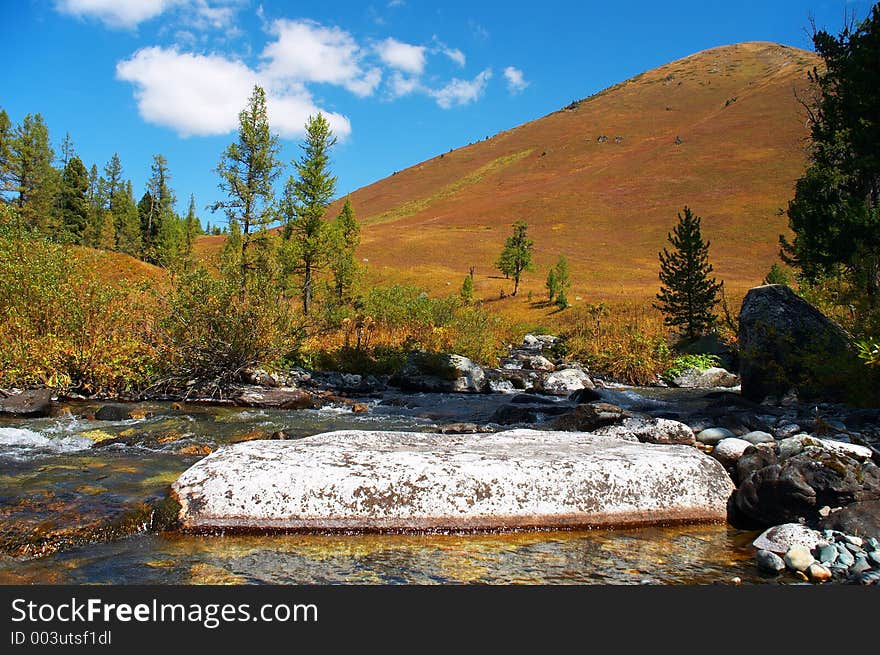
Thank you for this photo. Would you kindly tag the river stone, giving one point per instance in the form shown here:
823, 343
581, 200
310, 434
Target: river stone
798, 558
728, 451
862, 519
818, 573
715, 377
276, 398
786, 343
780, 538
440, 373
758, 436
712, 436
652, 430
589, 417
35, 403
769, 561
562, 382
362, 480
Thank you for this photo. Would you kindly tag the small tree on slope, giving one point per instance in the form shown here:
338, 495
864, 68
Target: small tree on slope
688, 294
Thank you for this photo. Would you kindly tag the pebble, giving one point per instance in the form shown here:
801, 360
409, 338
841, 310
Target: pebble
770, 562
757, 436
872, 543
855, 541
874, 556
827, 554
855, 550
860, 566
712, 436
844, 557
798, 558
818, 573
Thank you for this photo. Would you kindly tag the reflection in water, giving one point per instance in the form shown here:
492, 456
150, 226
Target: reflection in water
677, 555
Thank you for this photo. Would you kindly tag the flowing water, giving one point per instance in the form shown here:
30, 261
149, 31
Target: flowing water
81, 502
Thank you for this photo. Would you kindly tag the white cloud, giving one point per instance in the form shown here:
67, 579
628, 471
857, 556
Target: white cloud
305, 51
455, 55
461, 92
400, 85
402, 56
202, 95
116, 13
515, 80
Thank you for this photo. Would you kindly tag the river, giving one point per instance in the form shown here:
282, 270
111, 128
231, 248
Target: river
80, 501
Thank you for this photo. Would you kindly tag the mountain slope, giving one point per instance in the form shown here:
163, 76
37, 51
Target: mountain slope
607, 204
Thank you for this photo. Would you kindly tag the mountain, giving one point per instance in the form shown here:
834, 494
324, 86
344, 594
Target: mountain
602, 180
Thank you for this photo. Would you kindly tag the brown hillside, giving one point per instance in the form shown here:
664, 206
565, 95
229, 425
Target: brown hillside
607, 206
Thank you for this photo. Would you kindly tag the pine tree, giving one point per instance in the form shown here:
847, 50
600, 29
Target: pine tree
307, 242
30, 176
191, 229
346, 238
687, 294
552, 288
162, 201
5, 152
516, 257
127, 222
247, 169
467, 290
563, 282
75, 207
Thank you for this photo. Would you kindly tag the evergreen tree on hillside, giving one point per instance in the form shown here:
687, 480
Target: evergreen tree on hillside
835, 213
346, 238
162, 201
30, 177
247, 169
688, 294
550, 283
467, 290
5, 153
99, 229
75, 207
127, 222
307, 239
191, 229
516, 257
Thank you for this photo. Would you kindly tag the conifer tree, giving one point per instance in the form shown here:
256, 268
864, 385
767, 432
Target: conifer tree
688, 294
30, 176
562, 281
552, 288
346, 238
247, 169
5, 152
307, 242
127, 222
516, 257
162, 201
75, 207
191, 230
467, 289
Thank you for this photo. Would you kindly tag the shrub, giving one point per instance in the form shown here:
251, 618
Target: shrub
680, 364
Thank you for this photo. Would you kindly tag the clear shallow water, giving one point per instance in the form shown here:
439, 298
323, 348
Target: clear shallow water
74, 512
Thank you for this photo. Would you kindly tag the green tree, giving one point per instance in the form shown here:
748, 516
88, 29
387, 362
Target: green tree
247, 169
552, 287
74, 201
127, 222
563, 282
346, 237
30, 176
5, 152
835, 212
516, 257
776, 275
191, 229
467, 289
307, 242
688, 294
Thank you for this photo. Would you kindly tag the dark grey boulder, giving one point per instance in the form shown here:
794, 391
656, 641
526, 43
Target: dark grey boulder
859, 519
801, 485
27, 404
586, 418
786, 343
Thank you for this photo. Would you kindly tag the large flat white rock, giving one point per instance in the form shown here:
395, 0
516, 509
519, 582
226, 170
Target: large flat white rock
358, 480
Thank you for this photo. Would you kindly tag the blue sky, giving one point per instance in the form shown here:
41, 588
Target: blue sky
402, 80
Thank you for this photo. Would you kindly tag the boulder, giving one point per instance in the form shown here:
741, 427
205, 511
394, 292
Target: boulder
786, 343
860, 519
586, 418
801, 485
276, 398
117, 412
562, 382
694, 378
361, 480
651, 430
35, 403
769, 562
440, 373
758, 436
514, 413
711, 436
780, 538
585, 396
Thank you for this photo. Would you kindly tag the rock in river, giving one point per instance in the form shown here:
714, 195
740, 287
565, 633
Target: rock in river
27, 404
360, 480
